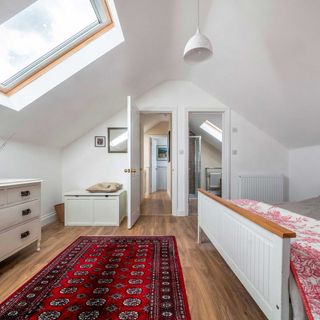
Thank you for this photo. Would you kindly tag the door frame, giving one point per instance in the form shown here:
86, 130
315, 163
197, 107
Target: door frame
200, 139
226, 145
174, 153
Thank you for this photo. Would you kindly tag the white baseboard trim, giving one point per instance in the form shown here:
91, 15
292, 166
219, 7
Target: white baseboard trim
180, 214
48, 218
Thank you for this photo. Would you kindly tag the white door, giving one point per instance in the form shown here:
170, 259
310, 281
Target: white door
162, 178
154, 167
134, 164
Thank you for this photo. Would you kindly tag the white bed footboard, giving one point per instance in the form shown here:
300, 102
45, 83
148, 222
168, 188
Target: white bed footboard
259, 255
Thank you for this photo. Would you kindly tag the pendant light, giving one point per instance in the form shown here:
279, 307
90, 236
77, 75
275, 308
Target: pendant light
199, 47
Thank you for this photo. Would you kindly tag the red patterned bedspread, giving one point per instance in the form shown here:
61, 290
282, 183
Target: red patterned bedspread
305, 250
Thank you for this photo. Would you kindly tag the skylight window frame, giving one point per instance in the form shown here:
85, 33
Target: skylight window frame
54, 56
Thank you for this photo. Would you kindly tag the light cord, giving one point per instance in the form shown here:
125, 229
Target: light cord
198, 12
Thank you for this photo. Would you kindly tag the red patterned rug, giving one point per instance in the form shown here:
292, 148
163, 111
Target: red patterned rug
103, 277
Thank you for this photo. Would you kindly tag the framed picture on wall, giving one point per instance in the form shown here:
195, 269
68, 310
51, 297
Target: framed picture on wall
162, 153
100, 141
117, 140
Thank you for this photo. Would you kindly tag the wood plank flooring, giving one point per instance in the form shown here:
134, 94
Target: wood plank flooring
214, 292
157, 203
193, 206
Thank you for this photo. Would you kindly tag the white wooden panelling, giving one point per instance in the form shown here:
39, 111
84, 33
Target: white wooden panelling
95, 209
269, 189
259, 258
78, 211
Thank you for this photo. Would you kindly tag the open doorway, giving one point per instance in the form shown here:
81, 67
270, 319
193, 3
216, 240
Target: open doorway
205, 156
156, 178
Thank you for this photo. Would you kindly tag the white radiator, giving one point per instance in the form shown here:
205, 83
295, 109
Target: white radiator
268, 189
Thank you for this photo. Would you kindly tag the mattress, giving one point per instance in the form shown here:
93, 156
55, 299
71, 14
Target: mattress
309, 207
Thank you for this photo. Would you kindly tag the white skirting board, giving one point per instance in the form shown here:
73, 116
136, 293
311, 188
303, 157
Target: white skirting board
48, 218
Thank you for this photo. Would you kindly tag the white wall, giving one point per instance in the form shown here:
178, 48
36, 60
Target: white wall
22, 160
257, 152
304, 173
83, 164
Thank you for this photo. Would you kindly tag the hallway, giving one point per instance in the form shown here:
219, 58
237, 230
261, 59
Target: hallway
157, 203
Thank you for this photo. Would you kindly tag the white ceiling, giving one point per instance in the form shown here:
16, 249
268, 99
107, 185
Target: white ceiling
265, 66
150, 120
8, 8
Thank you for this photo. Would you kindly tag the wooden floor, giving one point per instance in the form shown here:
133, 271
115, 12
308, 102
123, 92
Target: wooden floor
214, 293
157, 203
193, 206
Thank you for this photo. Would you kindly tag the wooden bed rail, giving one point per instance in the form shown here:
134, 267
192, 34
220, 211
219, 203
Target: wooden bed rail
262, 222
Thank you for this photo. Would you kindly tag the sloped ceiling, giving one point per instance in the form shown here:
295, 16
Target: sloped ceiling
265, 66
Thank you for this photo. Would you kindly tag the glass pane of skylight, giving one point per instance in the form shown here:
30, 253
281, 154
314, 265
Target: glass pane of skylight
39, 29
212, 130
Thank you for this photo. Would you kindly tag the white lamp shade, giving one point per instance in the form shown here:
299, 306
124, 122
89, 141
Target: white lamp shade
198, 48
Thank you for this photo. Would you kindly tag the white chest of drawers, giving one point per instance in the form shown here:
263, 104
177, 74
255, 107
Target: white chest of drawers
83, 208
19, 215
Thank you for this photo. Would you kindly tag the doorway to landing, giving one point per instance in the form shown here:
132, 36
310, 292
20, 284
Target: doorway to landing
156, 167
205, 156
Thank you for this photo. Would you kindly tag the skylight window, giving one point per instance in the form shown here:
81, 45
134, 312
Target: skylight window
212, 130
43, 32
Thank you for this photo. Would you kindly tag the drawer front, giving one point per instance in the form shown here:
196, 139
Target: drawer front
3, 197
19, 237
18, 214
26, 193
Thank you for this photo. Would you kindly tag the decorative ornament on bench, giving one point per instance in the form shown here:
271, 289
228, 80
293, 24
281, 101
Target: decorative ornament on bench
105, 187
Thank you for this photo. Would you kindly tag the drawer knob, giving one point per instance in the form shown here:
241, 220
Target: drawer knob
25, 234
26, 212
25, 193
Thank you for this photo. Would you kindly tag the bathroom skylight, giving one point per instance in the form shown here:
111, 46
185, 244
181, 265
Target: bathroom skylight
212, 130
43, 32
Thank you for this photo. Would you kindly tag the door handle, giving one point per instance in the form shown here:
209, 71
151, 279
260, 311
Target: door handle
127, 170
25, 234
133, 170
25, 193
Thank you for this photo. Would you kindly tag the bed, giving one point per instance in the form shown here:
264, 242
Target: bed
260, 243
308, 207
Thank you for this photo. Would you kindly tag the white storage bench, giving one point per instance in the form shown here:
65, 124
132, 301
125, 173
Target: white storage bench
83, 208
